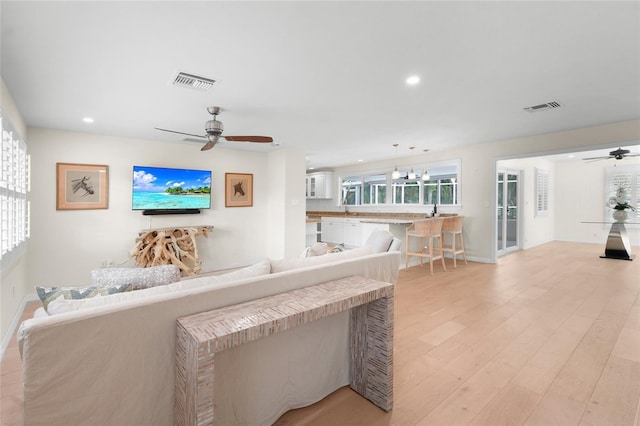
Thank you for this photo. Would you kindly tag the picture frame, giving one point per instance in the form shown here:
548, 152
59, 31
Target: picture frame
82, 186
238, 189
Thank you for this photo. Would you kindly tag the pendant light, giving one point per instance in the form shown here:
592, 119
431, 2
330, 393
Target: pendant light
395, 174
425, 175
412, 174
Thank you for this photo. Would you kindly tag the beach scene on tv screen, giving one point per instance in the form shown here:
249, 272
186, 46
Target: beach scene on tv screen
162, 188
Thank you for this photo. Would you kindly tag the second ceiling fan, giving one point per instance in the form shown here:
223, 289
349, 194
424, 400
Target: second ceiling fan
214, 129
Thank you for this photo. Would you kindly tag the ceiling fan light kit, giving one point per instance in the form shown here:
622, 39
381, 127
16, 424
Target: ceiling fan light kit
214, 128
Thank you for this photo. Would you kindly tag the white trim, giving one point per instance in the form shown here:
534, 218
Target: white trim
15, 322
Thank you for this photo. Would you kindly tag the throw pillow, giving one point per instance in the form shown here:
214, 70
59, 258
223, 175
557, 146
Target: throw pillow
295, 263
139, 277
379, 241
211, 281
49, 294
316, 249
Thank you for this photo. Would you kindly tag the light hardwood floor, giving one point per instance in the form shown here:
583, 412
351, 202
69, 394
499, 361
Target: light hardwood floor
548, 336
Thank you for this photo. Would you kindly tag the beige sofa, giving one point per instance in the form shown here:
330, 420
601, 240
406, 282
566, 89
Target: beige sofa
113, 364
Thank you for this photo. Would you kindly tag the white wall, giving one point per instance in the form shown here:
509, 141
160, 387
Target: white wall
286, 203
66, 245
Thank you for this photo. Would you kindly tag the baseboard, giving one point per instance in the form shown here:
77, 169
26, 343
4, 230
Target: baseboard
15, 322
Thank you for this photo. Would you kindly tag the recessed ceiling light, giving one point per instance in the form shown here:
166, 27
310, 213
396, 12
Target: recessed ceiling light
88, 120
360, 161
571, 156
413, 80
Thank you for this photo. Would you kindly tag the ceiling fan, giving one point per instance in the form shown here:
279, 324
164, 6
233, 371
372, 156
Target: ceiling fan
214, 128
618, 154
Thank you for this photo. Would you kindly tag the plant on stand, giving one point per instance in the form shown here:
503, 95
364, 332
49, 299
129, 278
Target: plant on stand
619, 204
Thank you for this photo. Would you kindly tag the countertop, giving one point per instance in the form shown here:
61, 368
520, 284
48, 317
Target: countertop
370, 217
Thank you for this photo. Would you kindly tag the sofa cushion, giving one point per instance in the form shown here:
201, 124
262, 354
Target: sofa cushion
50, 294
379, 240
139, 277
63, 305
301, 262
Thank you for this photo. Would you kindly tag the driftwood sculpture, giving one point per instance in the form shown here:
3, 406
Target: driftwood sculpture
175, 246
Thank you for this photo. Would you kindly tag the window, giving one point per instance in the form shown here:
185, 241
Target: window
351, 191
375, 189
14, 185
379, 188
627, 177
441, 190
542, 192
406, 192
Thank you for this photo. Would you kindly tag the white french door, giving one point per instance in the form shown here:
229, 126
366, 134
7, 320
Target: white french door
508, 210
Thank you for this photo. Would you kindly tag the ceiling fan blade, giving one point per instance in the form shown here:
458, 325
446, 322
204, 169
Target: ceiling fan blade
259, 139
207, 146
597, 158
180, 133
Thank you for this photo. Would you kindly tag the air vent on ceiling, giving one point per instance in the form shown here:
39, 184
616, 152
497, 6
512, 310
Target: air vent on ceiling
543, 107
190, 81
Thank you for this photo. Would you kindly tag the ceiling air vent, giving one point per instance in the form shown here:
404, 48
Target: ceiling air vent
543, 107
190, 81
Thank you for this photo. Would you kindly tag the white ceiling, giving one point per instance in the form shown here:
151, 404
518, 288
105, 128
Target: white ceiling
325, 77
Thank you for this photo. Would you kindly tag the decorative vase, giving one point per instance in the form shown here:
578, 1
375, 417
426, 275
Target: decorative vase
619, 215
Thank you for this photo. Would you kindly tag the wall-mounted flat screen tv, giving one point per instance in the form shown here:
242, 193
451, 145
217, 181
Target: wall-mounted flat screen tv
166, 189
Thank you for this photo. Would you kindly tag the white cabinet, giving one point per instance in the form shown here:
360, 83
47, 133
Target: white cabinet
332, 232
352, 233
339, 230
312, 232
319, 185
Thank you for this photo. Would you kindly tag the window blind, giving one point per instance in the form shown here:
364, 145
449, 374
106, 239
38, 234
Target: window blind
542, 192
14, 186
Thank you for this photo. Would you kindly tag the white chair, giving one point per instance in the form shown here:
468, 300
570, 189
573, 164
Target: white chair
429, 234
453, 226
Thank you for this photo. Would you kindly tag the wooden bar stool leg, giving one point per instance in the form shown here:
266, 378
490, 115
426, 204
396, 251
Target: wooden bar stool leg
444, 266
431, 255
464, 252
453, 250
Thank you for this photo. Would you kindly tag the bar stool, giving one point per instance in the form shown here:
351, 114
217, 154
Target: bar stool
429, 234
453, 226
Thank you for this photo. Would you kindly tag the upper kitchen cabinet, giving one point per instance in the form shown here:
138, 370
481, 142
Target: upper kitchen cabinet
319, 185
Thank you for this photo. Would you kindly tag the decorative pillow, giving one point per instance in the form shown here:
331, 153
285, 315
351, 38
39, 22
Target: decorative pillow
139, 277
379, 241
261, 268
316, 249
50, 294
337, 248
295, 263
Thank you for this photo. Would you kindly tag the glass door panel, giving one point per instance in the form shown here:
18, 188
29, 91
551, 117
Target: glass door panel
507, 197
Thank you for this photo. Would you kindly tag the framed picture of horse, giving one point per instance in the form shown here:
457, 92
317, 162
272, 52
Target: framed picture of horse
238, 190
82, 186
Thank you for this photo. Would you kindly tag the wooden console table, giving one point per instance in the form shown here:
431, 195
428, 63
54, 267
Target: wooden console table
201, 336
